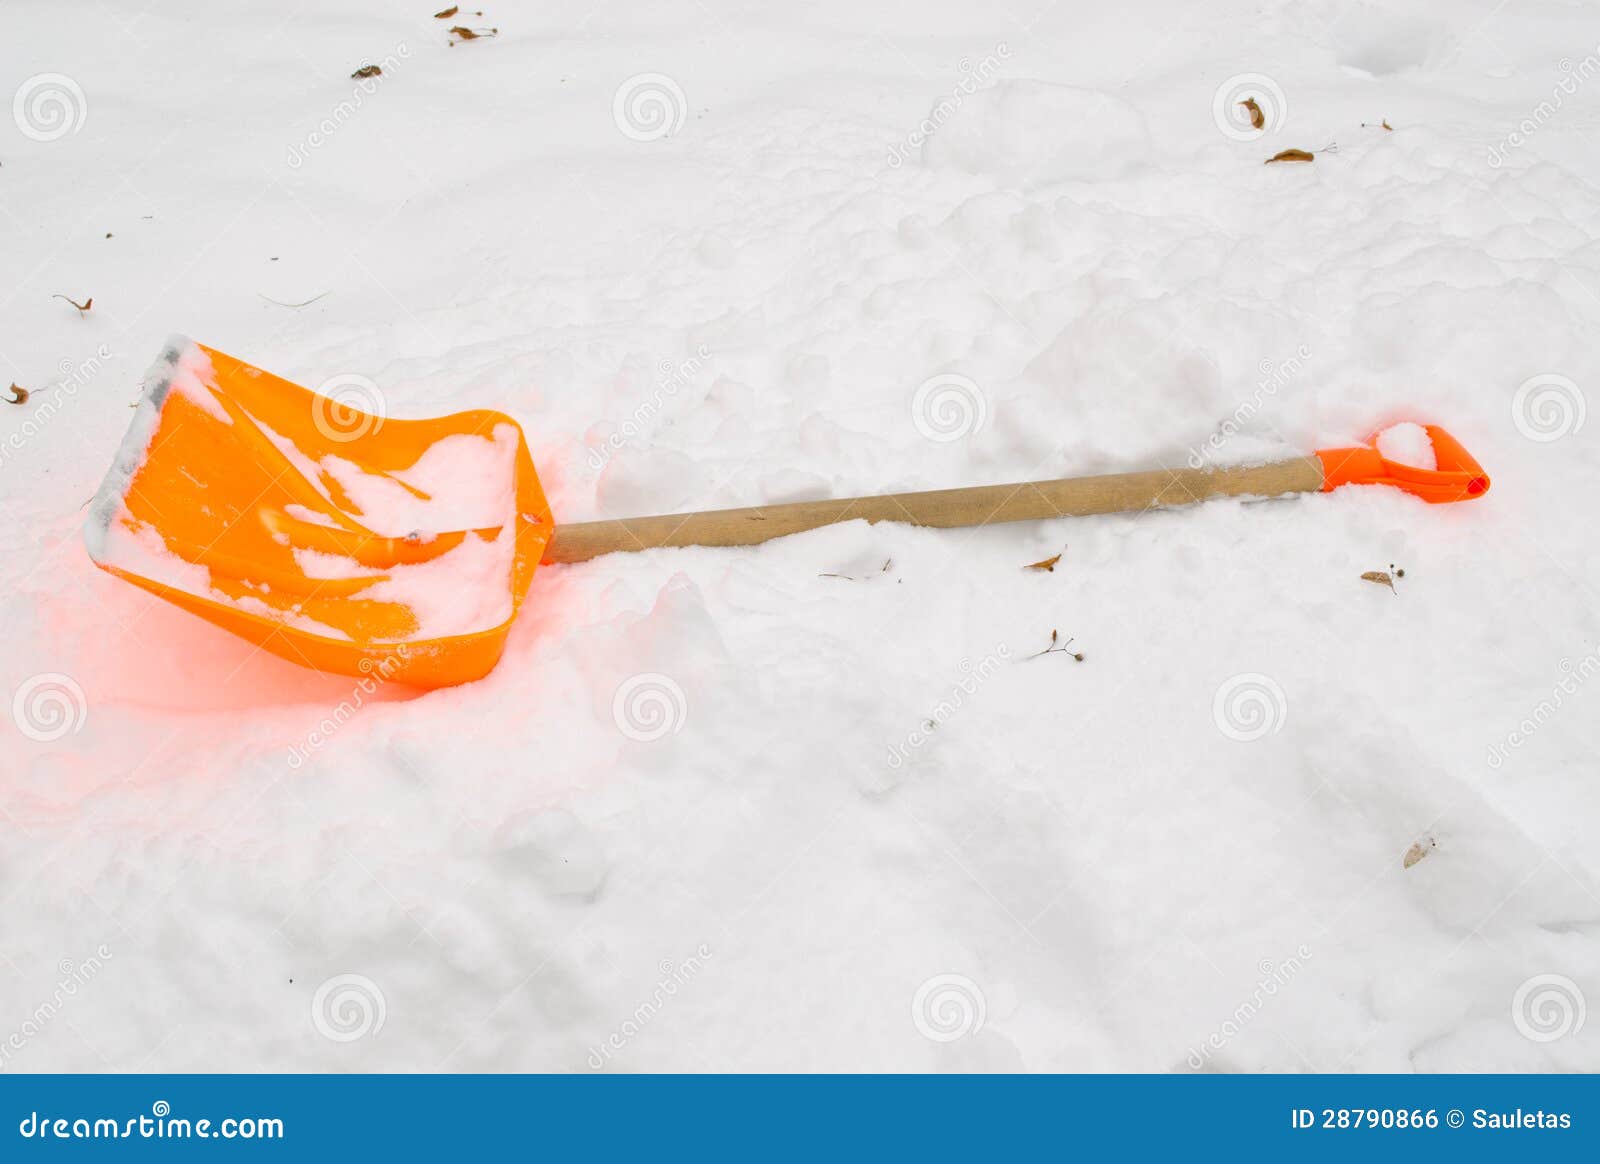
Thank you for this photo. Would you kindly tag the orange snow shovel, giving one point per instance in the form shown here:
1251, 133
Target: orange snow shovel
351, 543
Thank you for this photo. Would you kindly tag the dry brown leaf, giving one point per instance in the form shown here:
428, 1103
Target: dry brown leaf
1257, 118
366, 71
1290, 156
447, 13
1048, 565
1381, 577
473, 33
19, 394
1418, 851
84, 306
1387, 126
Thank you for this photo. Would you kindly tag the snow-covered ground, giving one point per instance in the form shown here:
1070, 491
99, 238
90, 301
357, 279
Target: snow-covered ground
725, 809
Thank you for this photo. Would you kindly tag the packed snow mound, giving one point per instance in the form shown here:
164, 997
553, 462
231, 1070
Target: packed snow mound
1031, 133
1408, 443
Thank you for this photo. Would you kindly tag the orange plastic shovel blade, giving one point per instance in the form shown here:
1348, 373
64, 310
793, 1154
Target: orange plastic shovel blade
336, 538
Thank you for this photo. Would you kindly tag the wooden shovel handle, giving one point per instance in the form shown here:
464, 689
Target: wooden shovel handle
944, 508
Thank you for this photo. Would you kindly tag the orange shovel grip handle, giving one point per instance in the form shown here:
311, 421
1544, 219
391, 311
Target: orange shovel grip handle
1458, 476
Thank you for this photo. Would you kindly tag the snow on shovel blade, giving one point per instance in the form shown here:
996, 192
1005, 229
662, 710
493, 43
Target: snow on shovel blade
338, 539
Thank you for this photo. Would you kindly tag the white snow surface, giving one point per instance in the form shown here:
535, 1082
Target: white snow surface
819, 788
